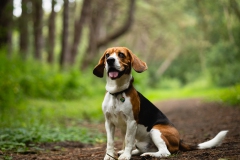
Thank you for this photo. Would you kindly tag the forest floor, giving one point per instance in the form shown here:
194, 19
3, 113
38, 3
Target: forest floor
197, 121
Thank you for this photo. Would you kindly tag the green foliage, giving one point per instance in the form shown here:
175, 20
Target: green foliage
6, 157
10, 92
224, 64
169, 83
39, 103
21, 138
52, 84
231, 95
186, 68
197, 89
19, 79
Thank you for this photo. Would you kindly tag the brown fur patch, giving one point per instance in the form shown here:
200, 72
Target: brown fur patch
170, 135
186, 147
132, 93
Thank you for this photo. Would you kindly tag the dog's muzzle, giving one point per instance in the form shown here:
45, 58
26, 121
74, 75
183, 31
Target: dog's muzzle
112, 72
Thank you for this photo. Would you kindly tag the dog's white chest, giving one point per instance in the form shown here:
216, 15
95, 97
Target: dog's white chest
117, 108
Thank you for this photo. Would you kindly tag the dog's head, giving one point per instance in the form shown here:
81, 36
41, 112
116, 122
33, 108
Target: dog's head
118, 61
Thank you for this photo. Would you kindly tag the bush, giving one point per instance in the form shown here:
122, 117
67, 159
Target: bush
10, 92
19, 79
232, 95
21, 138
186, 67
224, 64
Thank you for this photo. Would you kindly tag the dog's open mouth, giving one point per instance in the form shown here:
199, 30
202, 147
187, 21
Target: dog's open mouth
114, 73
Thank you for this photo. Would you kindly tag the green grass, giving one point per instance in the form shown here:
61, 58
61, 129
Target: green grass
43, 120
200, 89
207, 94
35, 111
20, 139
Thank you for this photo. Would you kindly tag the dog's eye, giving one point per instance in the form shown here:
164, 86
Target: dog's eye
121, 55
107, 55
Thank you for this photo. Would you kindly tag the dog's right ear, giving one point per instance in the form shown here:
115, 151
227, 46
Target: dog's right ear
99, 68
137, 64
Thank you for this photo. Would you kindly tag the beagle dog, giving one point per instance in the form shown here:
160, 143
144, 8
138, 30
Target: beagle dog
145, 127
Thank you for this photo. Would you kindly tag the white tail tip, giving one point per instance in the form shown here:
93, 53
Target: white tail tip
216, 141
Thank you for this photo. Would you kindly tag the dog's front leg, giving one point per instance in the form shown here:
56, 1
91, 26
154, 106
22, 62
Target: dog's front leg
129, 140
110, 129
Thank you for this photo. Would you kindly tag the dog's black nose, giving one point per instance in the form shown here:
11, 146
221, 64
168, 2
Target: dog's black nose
110, 60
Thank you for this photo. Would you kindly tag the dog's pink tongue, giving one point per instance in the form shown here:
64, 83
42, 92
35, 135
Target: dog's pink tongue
113, 74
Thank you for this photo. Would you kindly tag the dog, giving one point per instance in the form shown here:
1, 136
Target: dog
145, 127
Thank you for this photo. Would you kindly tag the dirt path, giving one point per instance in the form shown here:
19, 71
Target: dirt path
196, 121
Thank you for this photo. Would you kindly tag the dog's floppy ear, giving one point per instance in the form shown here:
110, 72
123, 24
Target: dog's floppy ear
99, 68
137, 64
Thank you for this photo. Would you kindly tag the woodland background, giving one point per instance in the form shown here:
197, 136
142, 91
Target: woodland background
177, 39
48, 49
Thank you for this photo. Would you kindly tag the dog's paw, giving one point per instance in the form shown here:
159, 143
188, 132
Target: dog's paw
136, 152
158, 154
125, 156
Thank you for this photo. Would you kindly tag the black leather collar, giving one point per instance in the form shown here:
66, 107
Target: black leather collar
117, 93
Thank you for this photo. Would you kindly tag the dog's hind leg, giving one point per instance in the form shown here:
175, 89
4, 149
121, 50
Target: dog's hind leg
159, 143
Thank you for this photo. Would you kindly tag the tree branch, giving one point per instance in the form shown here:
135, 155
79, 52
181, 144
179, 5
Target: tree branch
167, 63
117, 33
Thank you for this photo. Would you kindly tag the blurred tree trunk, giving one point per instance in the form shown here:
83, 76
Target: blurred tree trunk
228, 23
168, 61
235, 7
203, 26
202, 20
84, 14
37, 27
6, 20
23, 29
64, 56
97, 16
10, 27
51, 33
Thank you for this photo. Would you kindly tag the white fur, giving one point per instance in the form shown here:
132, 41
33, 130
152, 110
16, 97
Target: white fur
216, 141
118, 85
162, 150
118, 113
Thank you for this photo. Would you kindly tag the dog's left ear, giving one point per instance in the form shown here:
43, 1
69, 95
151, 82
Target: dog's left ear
137, 64
99, 68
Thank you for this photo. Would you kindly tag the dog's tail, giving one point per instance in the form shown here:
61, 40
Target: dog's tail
216, 141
